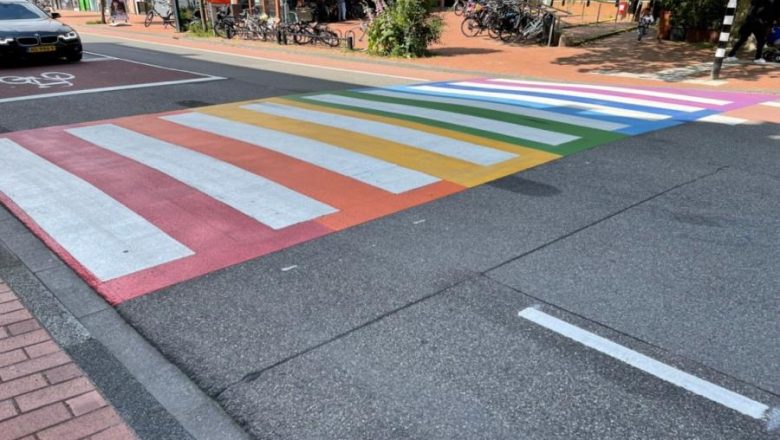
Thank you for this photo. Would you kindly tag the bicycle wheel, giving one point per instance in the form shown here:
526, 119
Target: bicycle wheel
506, 35
459, 8
302, 36
330, 38
470, 27
149, 18
494, 29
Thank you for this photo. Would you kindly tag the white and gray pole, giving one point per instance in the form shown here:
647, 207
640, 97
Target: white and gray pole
725, 31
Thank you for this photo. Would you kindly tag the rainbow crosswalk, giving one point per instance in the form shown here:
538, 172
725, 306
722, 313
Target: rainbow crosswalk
140, 203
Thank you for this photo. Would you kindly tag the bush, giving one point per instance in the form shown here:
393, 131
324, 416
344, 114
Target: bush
405, 28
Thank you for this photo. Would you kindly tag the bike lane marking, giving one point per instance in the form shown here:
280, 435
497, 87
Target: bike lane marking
110, 74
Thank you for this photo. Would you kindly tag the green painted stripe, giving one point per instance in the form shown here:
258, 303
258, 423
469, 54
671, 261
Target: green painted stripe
497, 115
589, 137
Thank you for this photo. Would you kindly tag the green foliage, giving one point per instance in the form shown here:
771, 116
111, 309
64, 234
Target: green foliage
405, 29
197, 30
696, 14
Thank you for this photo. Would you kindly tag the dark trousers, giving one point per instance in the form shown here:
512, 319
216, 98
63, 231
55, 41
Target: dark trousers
760, 32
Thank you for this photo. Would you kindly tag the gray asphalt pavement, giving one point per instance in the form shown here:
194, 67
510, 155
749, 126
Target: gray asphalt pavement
401, 329
408, 328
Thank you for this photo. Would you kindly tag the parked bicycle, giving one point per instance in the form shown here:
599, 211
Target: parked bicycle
508, 20
224, 23
162, 9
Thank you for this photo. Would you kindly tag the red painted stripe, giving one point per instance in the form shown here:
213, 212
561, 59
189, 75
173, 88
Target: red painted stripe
356, 201
219, 234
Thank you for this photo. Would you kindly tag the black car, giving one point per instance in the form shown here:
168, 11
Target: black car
27, 31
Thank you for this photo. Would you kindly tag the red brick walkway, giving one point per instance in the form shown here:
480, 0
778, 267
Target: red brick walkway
43, 394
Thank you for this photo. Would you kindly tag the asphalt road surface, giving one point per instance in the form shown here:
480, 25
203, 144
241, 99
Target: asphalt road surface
628, 291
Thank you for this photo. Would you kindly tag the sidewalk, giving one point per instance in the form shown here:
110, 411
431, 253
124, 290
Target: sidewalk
619, 60
43, 394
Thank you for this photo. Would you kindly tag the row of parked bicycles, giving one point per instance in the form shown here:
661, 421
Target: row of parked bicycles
253, 25
505, 20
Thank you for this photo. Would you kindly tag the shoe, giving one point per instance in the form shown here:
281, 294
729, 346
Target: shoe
759, 61
731, 59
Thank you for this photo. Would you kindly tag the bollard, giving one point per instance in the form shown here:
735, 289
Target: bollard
350, 43
278, 36
725, 31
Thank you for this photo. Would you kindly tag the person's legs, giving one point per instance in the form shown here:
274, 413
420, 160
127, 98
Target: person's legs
760, 34
744, 33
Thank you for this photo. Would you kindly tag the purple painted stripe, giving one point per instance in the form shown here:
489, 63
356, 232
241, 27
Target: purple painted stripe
737, 99
628, 95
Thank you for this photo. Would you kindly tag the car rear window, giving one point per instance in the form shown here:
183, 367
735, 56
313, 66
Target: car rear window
19, 11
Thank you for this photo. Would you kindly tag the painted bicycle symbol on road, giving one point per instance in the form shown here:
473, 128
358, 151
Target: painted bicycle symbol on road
46, 80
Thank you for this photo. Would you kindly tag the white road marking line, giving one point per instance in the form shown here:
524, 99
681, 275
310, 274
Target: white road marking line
641, 92
103, 235
588, 95
506, 108
466, 151
725, 120
109, 89
772, 103
157, 66
262, 199
384, 175
289, 268
504, 128
698, 386
555, 102
292, 63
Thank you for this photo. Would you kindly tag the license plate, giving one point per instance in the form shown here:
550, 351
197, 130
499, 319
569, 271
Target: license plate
38, 49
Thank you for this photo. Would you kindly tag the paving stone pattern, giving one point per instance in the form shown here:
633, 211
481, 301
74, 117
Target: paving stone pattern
43, 394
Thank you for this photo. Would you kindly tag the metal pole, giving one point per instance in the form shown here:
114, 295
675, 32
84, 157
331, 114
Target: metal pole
598, 13
725, 31
552, 31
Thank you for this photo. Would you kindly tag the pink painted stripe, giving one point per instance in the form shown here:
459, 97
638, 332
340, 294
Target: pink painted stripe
574, 88
219, 234
737, 100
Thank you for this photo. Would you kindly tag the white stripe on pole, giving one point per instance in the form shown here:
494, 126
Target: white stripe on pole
720, 53
728, 20
717, 394
724, 36
264, 200
104, 236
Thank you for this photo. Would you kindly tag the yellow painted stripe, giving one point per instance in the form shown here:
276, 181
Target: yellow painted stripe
453, 170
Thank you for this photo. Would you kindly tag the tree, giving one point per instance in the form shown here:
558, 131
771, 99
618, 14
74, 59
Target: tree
696, 14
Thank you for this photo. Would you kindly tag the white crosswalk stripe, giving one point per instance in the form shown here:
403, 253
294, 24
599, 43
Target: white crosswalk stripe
103, 235
255, 196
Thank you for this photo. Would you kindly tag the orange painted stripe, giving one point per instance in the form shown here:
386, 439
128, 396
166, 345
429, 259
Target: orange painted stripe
356, 201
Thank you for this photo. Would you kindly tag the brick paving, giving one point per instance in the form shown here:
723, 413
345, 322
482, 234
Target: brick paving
43, 394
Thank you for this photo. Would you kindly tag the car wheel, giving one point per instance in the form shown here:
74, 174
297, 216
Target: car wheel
74, 57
